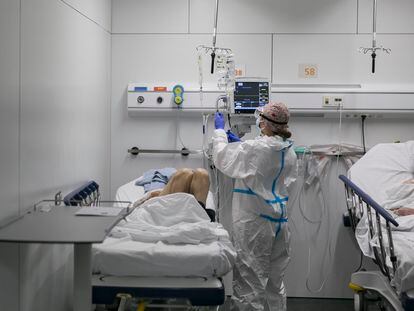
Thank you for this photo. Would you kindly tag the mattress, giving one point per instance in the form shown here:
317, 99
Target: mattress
384, 174
165, 236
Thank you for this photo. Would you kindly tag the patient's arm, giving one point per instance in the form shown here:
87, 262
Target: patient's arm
403, 211
154, 194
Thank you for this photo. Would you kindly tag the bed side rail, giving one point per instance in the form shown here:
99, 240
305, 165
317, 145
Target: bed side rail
358, 202
368, 200
85, 195
89, 195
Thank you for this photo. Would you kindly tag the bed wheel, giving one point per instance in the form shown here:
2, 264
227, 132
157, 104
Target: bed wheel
359, 301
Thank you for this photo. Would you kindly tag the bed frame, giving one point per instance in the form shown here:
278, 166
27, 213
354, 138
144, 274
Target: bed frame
358, 203
194, 293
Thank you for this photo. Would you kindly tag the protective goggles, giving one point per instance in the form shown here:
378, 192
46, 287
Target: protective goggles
259, 113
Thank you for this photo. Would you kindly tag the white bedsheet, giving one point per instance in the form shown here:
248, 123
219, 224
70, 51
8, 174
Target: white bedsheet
166, 236
383, 167
382, 173
129, 192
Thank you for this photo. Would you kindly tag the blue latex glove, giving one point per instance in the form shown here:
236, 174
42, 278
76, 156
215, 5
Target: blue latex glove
219, 121
231, 137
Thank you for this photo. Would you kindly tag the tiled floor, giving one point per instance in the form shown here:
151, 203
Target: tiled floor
297, 304
305, 304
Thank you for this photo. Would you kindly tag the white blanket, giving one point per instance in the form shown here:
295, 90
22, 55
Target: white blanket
166, 236
174, 219
382, 173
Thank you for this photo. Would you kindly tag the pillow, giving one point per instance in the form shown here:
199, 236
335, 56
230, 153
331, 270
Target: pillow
382, 168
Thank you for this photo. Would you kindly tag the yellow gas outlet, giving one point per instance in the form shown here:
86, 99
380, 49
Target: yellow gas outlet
178, 93
178, 100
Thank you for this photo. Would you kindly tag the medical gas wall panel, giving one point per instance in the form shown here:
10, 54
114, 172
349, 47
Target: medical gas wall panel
146, 99
383, 102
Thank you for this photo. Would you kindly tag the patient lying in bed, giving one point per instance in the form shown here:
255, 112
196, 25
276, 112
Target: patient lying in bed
386, 173
168, 235
191, 181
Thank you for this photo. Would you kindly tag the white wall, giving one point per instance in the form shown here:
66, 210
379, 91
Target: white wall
339, 61
156, 40
97, 11
55, 130
393, 17
9, 142
275, 16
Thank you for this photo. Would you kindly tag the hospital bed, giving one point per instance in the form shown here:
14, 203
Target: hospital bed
129, 269
381, 236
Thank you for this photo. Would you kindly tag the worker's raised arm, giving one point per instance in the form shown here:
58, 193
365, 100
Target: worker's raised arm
237, 159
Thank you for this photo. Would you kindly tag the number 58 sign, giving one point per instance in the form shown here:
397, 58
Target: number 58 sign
308, 71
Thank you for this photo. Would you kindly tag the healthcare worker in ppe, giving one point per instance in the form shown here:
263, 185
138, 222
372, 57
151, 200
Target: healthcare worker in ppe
262, 168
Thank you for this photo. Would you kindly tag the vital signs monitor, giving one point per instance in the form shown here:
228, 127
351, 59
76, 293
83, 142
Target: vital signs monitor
250, 94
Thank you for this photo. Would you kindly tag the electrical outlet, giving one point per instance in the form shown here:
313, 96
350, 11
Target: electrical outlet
332, 101
326, 101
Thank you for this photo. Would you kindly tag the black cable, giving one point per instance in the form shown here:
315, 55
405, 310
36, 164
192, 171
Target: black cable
228, 117
361, 259
363, 117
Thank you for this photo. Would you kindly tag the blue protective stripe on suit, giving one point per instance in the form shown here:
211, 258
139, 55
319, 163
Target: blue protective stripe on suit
272, 219
251, 192
282, 206
274, 189
244, 191
276, 199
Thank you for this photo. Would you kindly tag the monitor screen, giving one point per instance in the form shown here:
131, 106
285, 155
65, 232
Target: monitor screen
248, 96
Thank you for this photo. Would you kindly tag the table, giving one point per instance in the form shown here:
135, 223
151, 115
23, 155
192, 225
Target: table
60, 225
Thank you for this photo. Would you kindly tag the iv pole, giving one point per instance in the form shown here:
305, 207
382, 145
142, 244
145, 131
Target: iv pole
374, 35
213, 53
374, 47
214, 48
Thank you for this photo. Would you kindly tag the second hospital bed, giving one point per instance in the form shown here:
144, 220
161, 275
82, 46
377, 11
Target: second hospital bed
183, 262
378, 182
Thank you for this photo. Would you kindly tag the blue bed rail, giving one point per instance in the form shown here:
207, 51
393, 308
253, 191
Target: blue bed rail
83, 195
361, 206
360, 203
367, 199
89, 195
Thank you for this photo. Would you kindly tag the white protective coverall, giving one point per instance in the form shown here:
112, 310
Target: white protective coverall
262, 168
